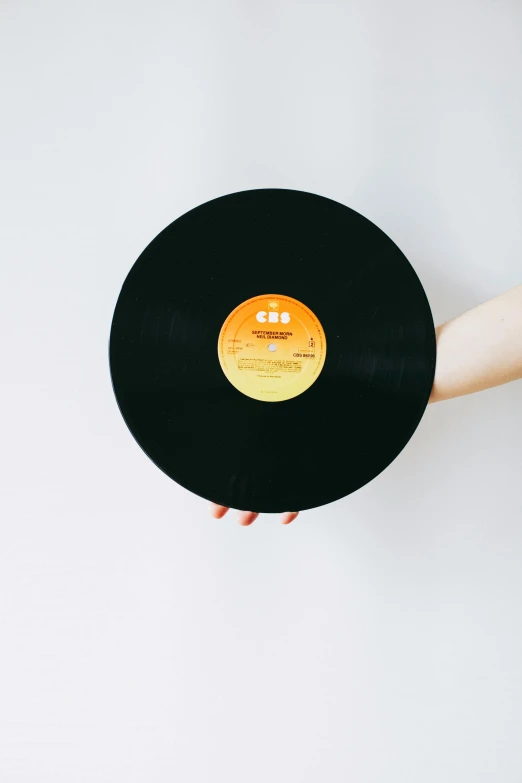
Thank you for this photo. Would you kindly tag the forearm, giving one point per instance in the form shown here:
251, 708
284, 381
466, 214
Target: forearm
481, 348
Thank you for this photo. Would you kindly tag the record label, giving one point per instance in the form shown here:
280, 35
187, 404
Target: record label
272, 348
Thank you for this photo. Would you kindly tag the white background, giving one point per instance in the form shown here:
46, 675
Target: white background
377, 640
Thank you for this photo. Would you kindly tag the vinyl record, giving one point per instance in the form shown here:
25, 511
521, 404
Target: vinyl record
272, 350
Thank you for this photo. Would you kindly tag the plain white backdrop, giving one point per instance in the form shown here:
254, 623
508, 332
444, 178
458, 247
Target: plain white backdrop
376, 640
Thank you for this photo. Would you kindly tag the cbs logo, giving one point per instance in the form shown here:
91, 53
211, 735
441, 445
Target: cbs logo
273, 318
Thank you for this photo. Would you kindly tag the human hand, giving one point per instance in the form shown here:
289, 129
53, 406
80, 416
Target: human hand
246, 518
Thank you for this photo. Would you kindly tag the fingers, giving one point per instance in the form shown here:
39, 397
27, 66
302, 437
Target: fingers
245, 518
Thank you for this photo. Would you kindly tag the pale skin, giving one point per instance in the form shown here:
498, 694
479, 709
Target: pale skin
478, 350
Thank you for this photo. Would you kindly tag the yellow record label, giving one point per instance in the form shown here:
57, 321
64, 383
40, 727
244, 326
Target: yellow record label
272, 348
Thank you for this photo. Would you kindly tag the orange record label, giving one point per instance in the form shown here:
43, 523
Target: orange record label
272, 348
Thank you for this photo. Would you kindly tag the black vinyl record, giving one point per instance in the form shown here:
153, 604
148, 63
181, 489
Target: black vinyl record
272, 350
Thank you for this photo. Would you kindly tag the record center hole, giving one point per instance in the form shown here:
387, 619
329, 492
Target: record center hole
272, 347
